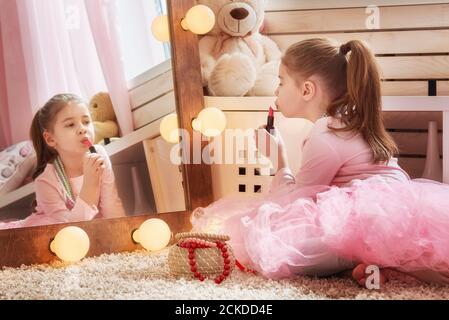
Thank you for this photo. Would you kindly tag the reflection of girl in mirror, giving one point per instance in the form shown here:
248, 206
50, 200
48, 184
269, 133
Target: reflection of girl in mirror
71, 184
350, 205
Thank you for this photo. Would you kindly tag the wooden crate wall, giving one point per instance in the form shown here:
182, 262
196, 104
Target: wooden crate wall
411, 46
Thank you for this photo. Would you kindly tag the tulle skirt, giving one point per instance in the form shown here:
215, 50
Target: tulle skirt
397, 224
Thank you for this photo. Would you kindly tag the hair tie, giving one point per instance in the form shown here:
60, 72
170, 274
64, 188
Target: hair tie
345, 48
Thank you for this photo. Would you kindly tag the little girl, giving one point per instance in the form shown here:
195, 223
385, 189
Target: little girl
71, 184
350, 202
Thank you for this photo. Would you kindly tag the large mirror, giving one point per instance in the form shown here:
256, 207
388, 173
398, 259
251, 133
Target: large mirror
89, 48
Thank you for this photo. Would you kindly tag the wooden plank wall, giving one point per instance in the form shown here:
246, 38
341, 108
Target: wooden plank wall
411, 45
152, 95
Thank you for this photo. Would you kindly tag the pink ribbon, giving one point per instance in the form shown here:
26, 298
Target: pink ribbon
223, 37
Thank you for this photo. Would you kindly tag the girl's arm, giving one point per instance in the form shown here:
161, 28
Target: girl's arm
320, 164
110, 203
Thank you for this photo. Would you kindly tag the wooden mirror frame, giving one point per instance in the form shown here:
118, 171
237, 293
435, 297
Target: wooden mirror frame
27, 246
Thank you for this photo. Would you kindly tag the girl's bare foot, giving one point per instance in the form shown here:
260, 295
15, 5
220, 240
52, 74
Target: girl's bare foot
430, 276
359, 274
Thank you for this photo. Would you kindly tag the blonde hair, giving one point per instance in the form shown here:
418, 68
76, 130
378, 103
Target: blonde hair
353, 85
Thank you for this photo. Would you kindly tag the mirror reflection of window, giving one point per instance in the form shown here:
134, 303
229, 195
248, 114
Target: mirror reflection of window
140, 50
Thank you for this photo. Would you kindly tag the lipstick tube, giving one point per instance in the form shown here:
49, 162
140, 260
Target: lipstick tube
270, 121
90, 145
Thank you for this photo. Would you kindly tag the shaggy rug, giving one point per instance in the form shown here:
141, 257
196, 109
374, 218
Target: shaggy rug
142, 275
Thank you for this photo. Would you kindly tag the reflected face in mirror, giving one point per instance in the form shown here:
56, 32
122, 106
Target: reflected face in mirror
72, 126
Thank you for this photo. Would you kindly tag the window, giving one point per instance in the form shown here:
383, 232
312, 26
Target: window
139, 49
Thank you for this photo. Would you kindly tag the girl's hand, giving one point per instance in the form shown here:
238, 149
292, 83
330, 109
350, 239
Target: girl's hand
93, 167
272, 146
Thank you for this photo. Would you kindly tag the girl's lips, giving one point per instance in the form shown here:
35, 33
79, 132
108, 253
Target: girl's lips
86, 142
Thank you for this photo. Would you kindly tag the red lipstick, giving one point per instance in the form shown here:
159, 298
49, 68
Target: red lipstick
270, 120
89, 144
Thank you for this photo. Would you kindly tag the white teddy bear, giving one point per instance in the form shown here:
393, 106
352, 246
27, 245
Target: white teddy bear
236, 60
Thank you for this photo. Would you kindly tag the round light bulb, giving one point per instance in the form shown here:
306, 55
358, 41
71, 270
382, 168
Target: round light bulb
211, 122
199, 19
71, 244
169, 128
153, 234
160, 28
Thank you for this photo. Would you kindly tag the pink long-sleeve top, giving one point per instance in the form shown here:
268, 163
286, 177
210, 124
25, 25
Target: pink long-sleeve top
54, 206
335, 159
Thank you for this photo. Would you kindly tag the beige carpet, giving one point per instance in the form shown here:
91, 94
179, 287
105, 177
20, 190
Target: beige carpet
140, 275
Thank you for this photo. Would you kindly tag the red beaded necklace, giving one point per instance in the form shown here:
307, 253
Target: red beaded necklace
192, 244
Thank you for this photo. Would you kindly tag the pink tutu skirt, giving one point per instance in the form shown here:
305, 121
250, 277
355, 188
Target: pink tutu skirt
397, 224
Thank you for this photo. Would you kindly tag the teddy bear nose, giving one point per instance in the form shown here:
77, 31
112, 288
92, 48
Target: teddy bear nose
239, 13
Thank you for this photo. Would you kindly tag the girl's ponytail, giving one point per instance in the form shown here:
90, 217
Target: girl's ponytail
43, 153
362, 103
